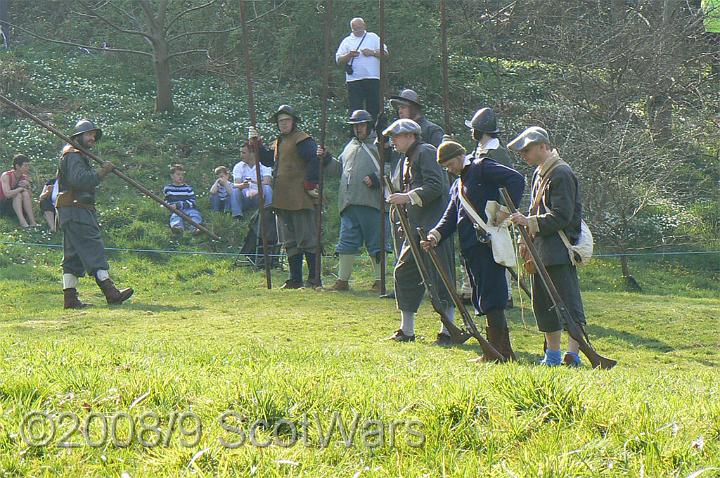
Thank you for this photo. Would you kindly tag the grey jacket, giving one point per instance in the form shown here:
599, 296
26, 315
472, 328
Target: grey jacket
427, 182
356, 165
76, 174
560, 208
430, 132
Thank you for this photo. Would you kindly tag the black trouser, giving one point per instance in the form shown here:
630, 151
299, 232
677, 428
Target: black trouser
364, 95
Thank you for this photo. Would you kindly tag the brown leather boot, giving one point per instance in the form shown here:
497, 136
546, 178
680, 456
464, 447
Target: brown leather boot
494, 336
72, 301
340, 285
112, 294
505, 346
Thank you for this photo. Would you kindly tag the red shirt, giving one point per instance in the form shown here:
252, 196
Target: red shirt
13, 183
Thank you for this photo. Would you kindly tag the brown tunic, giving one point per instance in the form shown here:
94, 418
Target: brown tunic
288, 181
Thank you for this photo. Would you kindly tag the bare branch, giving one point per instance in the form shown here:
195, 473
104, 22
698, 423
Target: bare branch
111, 24
202, 32
185, 52
185, 12
79, 45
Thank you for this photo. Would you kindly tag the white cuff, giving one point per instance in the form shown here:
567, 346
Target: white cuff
436, 234
415, 199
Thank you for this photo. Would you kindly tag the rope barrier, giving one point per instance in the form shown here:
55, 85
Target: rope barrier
156, 251
237, 254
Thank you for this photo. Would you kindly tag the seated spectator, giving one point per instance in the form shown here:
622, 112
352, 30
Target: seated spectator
181, 197
47, 202
15, 192
221, 191
245, 183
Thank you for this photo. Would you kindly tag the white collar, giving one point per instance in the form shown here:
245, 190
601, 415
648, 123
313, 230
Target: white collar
494, 143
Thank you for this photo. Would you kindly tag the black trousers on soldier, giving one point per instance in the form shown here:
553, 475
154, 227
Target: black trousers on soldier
409, 289
565, 278
83, 248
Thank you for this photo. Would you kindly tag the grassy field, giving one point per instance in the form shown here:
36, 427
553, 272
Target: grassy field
203, 343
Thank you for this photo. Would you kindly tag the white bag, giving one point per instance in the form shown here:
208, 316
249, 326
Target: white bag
580, 253
500, 240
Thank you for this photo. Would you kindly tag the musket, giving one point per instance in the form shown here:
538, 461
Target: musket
486, 346
575, 329
253, 147
457, 335
381, 152
323, 131
114, 170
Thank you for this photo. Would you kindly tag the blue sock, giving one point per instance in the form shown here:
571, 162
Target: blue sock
552, 358
572, 359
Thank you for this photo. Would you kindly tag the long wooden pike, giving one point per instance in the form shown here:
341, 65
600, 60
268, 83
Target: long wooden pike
574, 328
446, 88
381, 151
115, 170
252, 143
323, 134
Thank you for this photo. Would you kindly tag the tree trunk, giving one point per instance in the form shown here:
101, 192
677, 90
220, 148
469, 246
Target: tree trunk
163, 91
631, 283
659, 109
4, 18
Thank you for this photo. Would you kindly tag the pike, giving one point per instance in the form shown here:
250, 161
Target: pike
576, 330
114, 170
458, 336
486, 346
323, 132
252, 145
446, 89
381, 151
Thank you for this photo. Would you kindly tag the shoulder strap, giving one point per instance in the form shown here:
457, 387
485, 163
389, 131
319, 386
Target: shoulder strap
474, 216
372, 156
543, 184
358, 47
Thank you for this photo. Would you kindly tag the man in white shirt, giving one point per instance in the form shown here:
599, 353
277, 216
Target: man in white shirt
359, 53
245, 184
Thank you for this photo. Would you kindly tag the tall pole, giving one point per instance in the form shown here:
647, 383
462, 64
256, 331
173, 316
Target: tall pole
446, 89
381, 150
323, 133
253, 143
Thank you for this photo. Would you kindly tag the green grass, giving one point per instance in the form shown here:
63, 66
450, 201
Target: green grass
205, 337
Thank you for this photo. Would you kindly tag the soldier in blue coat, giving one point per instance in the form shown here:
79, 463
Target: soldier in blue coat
479, 182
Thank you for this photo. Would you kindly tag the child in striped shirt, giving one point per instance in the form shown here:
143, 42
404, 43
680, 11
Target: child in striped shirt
181, 196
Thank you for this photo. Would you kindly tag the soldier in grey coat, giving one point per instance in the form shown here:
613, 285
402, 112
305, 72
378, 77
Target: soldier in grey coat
359, 200
408, 106
423, 190
83, 248
555, 206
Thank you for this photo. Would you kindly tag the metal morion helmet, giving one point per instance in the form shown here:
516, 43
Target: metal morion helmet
285, 110
484, 121
84, 126
360, 116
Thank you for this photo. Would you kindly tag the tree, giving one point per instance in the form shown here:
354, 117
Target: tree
4, 26
162, 25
